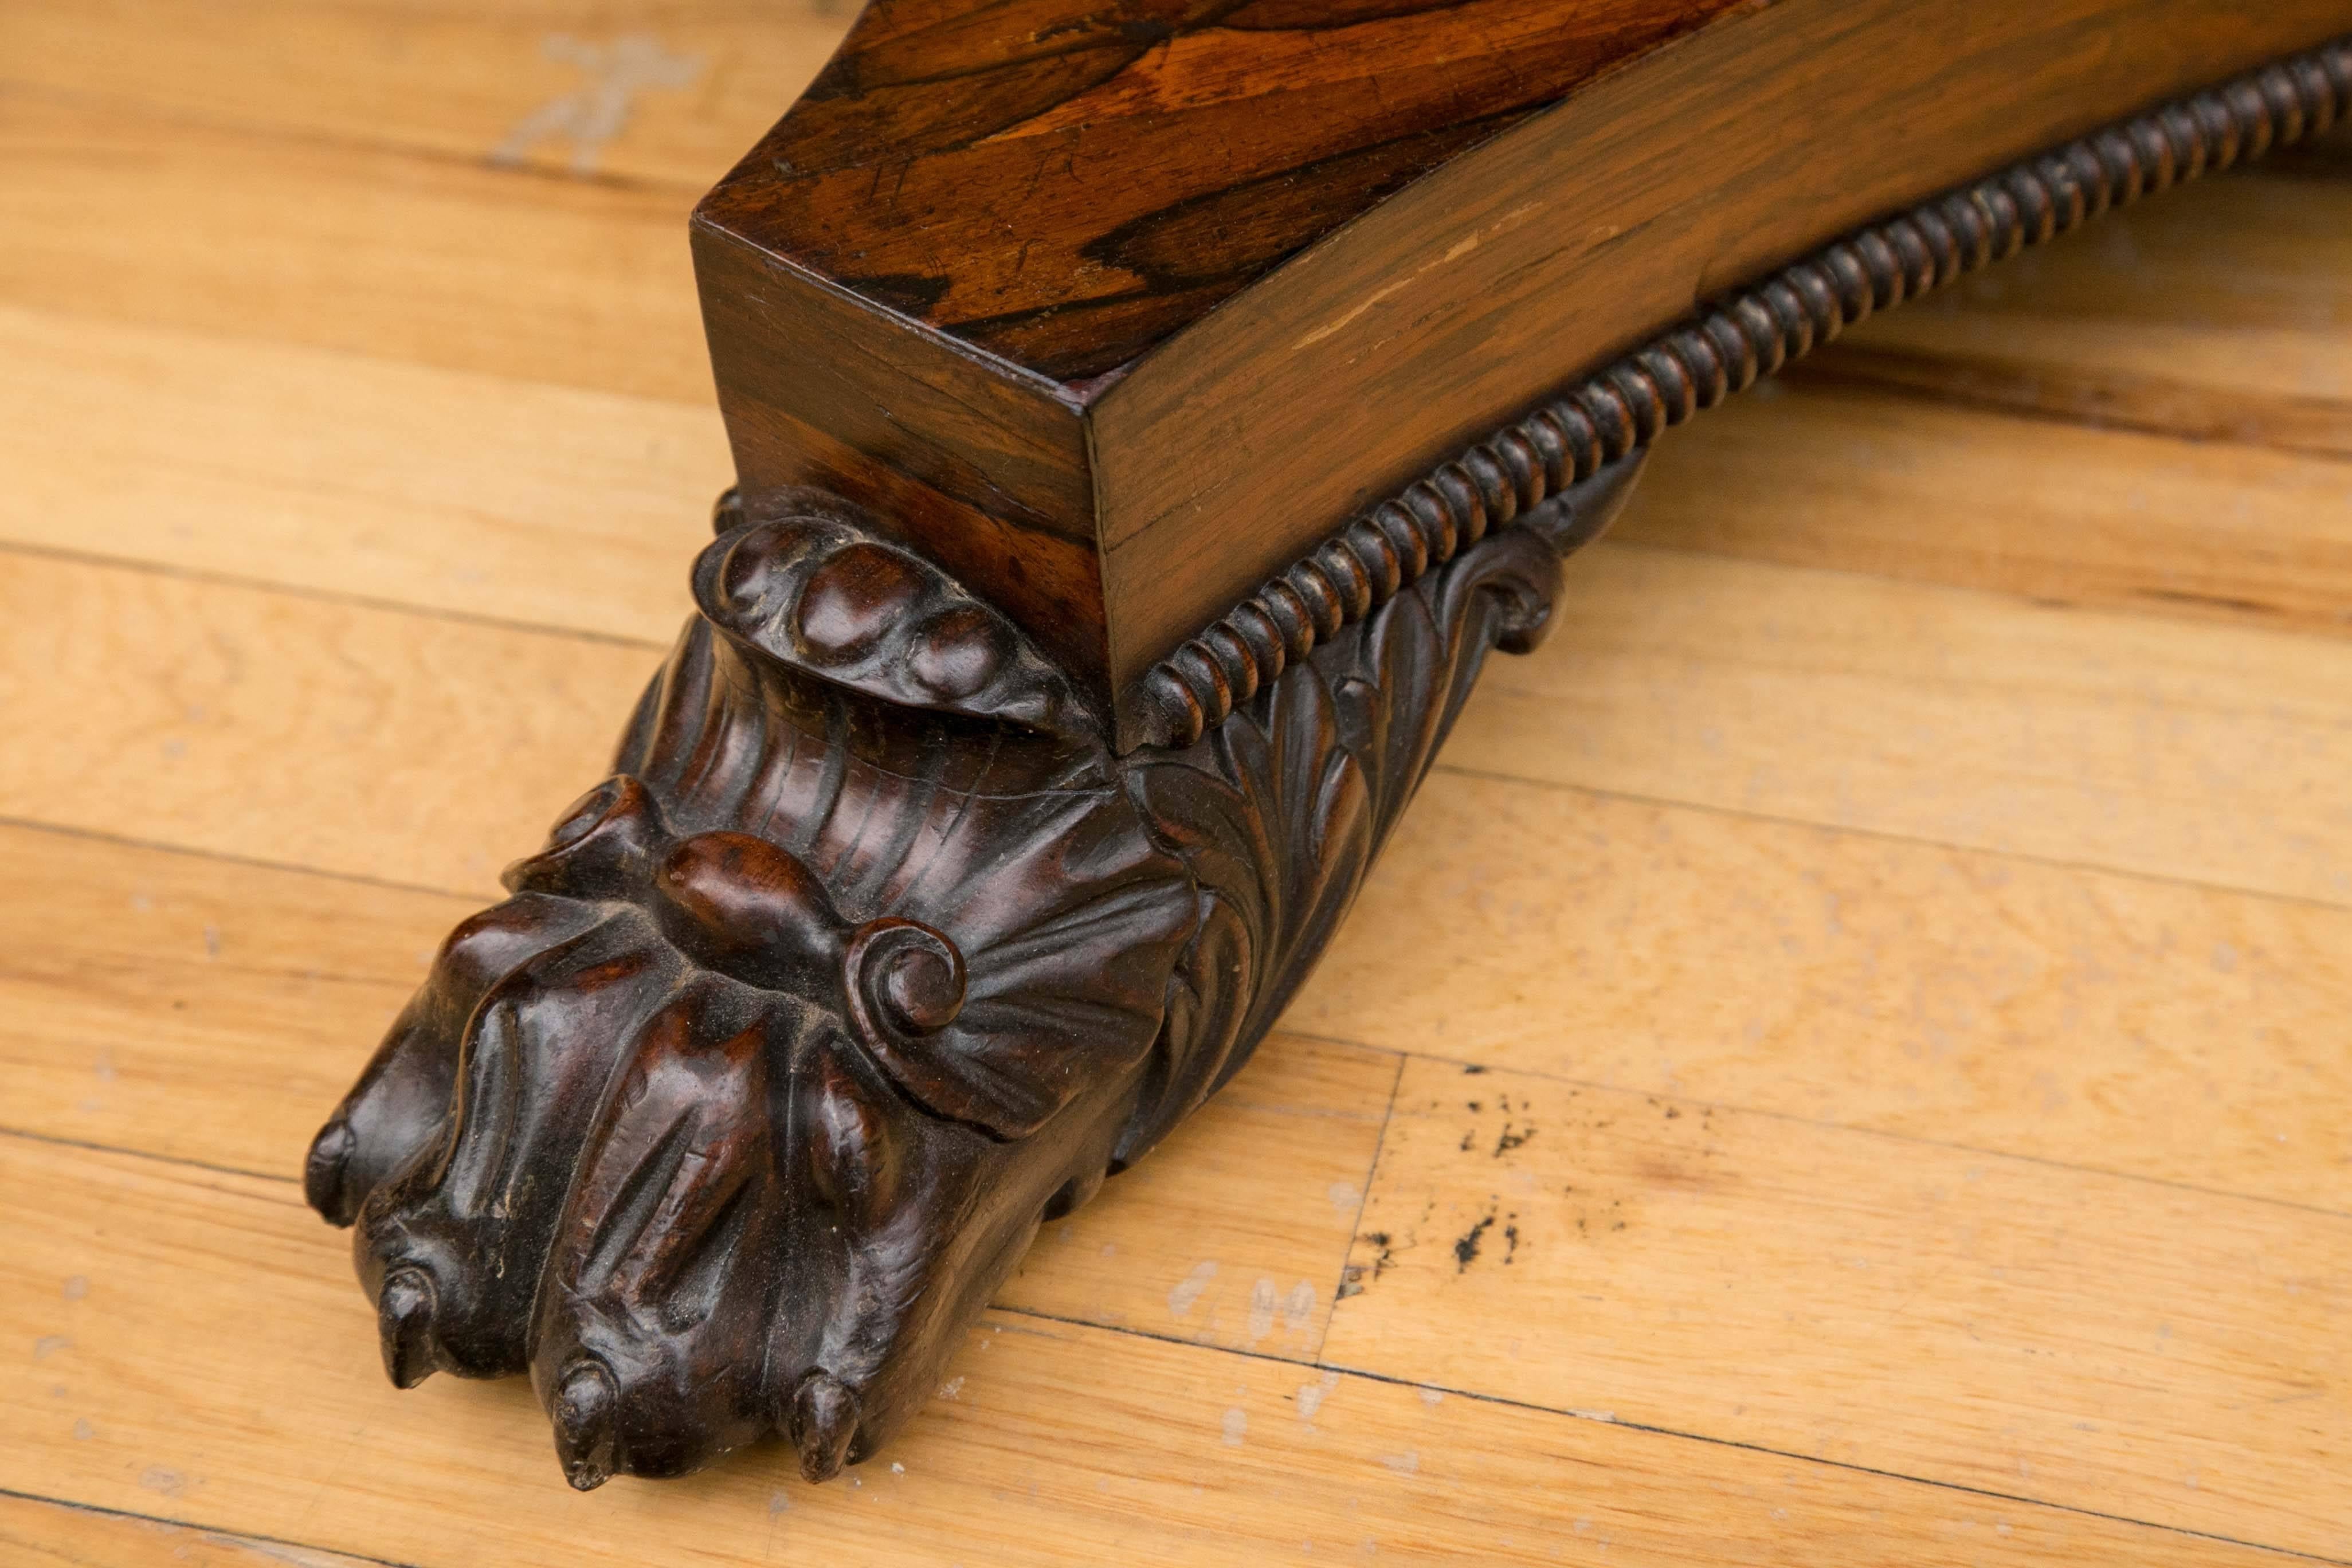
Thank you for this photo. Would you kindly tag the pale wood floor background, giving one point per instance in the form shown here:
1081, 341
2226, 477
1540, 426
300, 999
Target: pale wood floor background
1847, 1062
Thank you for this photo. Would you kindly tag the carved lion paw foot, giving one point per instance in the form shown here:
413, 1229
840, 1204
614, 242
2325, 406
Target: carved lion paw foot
709, 1158
730, 1119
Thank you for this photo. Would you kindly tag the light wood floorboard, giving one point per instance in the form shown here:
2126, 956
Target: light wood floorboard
1844, 1064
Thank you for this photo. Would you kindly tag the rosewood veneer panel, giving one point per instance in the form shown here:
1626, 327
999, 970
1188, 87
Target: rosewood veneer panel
1113, 328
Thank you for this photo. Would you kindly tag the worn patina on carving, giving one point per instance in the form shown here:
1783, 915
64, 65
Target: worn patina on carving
955, 858
870, 957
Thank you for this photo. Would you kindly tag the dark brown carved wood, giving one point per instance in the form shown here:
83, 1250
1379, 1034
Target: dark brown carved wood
915, 905
1112, 309
870, 957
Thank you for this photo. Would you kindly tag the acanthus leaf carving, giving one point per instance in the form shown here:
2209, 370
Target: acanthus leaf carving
870, 956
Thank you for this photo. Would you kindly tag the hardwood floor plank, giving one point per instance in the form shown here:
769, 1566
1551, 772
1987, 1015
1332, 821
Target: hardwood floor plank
178, 1005
235, 720
2171, 401
129, 217
2085, 1340
2232, 295
694, 83
1946, 994
186, 1406
340, 737
2173, 749
194, 1007
498, 498
37, 1534
333, 472
352, 406
1813, 475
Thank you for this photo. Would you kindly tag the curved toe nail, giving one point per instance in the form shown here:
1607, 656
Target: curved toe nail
404, 1318
825, 1418
322, 1172
586, 1411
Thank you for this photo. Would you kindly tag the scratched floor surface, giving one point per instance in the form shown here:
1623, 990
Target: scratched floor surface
1846, 1063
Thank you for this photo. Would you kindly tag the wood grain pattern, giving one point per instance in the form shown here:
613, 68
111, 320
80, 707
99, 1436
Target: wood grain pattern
2243, 529
543, 504
1687, 918
37, 1534
1097, 180
1936, 713
186, 712
1210, 396
1754, 1280
1030, 1451
1101, 177
1961, 997
142, 217
2224, 318
670, 95
194, 1007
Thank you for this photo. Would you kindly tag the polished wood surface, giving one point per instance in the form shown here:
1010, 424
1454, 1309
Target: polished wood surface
1118, 328
1066, 186
1921, 847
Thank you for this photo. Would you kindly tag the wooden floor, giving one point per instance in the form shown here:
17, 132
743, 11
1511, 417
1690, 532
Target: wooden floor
1846, 1064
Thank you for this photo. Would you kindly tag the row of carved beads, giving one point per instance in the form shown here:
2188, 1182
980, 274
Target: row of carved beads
1696, 366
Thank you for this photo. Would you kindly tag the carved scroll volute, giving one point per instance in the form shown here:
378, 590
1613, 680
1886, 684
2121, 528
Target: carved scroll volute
869, 957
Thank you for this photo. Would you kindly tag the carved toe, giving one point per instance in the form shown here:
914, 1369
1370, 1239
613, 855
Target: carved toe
824, 1422
404, 1314
663, 1267
586, 1417
324, 1170
389, 1115
736, 1114
476, 1211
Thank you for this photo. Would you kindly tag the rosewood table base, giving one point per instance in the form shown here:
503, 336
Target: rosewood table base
893, 933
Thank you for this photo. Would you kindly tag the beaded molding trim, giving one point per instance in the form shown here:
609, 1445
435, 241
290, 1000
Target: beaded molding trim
1698, 365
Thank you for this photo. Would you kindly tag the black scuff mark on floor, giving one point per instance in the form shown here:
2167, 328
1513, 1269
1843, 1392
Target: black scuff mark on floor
1466, 1246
